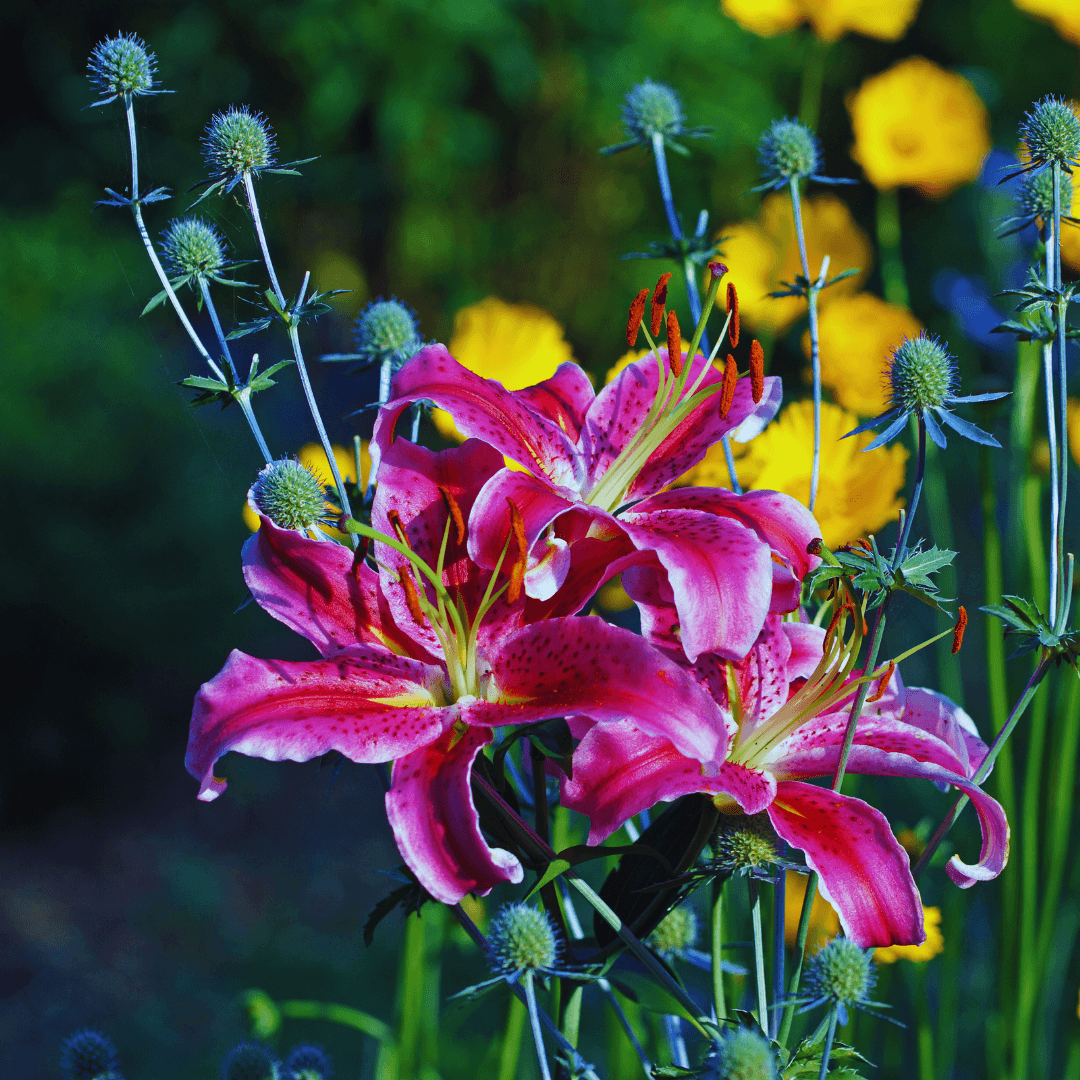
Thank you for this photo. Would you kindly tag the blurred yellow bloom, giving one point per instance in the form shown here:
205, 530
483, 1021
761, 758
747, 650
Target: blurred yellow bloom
885, 19
314, 458
517, 344
763, 253
858, 493
934, 943
919, 125
1074, 429
1063, 14
824, 922
857, 334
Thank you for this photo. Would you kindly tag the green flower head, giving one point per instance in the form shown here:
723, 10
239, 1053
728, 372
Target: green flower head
743, 1054
789, 150
677, 931
289, 494
121, 66
522, 939
387, 330
250, 1061
236, 142
1051, 132
191, 246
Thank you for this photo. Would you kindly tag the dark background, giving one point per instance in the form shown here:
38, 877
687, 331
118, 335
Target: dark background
457, 158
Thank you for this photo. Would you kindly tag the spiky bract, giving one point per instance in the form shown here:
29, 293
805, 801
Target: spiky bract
788, 150
651, 108
89, 1055
743, 843
250, 1061
522, 938
387, 330
744, 1054
192, 246
289, 494
677, 931
238, 141
1036, 196
841, 972
922, 374
122, 66
1051, 132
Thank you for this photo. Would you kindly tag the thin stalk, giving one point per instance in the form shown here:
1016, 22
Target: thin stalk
410, 996
893, 279
1052, 434
534, 1023
511, 1044
939, 516
759, 954
294, 339
813, 79
924, 1033
627, 1027
984, 769
826, 1052
909, 517
779, 912
676, 1042
1063, 407
244, 396
800, 952
660, 157
717, 942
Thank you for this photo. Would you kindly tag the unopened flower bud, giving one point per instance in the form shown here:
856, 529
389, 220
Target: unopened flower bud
123, 66
250, 1061
840, 972
308, 1063
387, 330
743, 1054
788, 150
1051, 131
1036, 196
88, 1055
651, 108
922, 374
522, 938
192, 246
289, 494
677, 931
744, 842
238, 141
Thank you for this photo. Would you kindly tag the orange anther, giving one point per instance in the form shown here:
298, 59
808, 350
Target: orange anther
674, 344
412, 597
884, 684
454, 511
961, 626
517, 571
633, 323
659, 299
733, 311
757, 370
727, 393
395, 523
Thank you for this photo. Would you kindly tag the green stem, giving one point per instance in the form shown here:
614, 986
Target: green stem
719, 998
939, 515
534, 1023
924, 1033
627, 1027
511, 1044
1063, 407
338, 1014
826, 1051
813, 80
893, 278
410, 996
759, 955
800, 952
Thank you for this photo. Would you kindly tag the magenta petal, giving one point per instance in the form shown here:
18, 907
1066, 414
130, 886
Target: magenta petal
435, 823
807, 648
864, 871
720, 575
587, 667
368, 704
936, 714
564, 399
483, 409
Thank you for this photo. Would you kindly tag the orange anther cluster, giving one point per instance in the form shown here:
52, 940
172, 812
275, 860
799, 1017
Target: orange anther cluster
884, 684
633, 323
412, 597
961, 626
659, 299
727, 392
674, 344
517, 571
399, 530
757, 370
454, 511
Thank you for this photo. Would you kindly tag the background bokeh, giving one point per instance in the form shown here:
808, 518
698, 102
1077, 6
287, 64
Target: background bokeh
457, 158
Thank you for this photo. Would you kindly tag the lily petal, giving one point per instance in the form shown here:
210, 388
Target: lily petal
565, 398
431, 810
365, 703
865, 873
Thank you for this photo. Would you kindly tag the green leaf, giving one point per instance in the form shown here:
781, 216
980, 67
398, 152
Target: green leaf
252, 327
263, 381
410, 897
641, 990
154, 302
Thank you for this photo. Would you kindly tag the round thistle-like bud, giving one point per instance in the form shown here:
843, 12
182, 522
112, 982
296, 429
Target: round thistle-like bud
387, 330
651, 108
743, 843
522, 938
1051, 131
250, 1061
122, 65
191, 246
744, 1054
88, 1055
788, 150
289, 494
841, 972
1036, 197
308, 1063
677, 931
238, 141
922, 374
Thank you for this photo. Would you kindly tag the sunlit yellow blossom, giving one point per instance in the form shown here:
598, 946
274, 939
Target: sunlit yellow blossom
1063, 14
930, 948
314, 457
517, 344
764, 253
858, 493
885, 19
857, 334
919, 125
824, 922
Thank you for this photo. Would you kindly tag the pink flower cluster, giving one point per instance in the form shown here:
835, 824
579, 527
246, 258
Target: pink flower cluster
472, 623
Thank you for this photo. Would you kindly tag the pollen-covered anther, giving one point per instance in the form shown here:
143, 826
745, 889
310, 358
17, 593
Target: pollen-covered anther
633, 323
727, 390
659, 299
399, 530
412, 597
674, 344
883, 685
757, 370
454, 510
517, 570
733, 311
961, 626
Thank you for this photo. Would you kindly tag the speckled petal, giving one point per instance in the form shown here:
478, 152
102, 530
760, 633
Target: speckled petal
564, 399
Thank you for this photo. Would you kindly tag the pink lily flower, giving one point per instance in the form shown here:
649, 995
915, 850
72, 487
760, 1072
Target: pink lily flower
587, 484
419, 674
786, 706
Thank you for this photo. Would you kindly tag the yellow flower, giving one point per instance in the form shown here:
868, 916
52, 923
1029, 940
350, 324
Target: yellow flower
919, 125
1063, 14
824, 922
858, 493
314, 457
934, 943
857, 334
885, 19
764, 253
517, 344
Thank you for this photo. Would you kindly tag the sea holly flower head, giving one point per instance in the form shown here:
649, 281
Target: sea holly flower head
236, 142
841, 975
923, 382
290, 495
250, 1061
744, 844
522, 938
387, 330
652, 110
788, 151
123, 67
192, 247
676, 933
89, 1055
742, 1054
308, 1063
1051, 134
